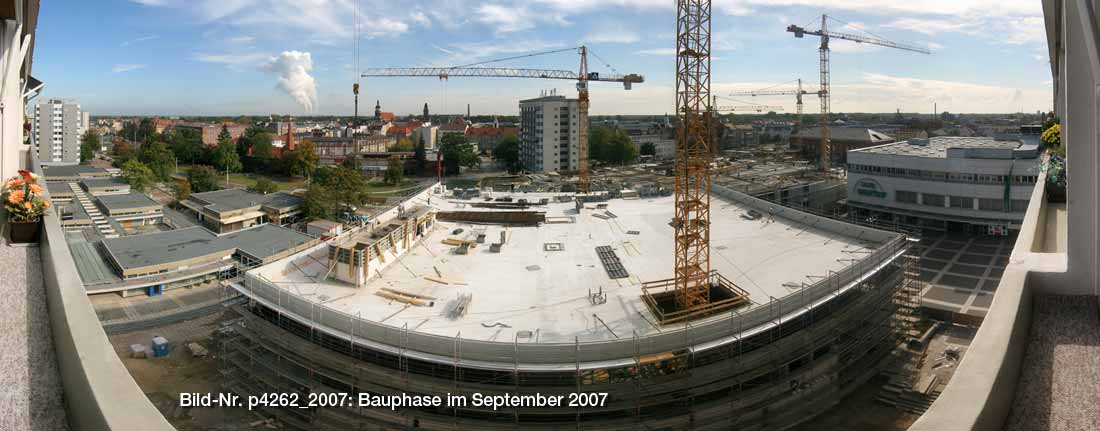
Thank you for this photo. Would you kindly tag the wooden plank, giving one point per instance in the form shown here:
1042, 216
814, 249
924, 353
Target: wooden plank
409, 294
437, 280
399, 298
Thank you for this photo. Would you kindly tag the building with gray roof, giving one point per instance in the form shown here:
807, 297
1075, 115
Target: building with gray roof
105, 186
842, 139
73, 173
131, 209
224, 211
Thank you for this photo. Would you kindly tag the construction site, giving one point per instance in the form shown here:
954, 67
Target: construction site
675, 292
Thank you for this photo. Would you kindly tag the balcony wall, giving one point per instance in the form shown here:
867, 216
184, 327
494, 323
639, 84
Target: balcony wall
99, 392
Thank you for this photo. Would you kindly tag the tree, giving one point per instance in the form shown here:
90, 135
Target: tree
158, 158
139, 131
344, 187
457, 153
89, 144
185, 143
395, 171
507, 154
404, 145
225, 157
122, 152
139, 176
315, 203
202, 178
351, 163
182, 189
302, 161
648, 149
421, 156
621, 149
224, 136
597, 143
256, 139
264, 186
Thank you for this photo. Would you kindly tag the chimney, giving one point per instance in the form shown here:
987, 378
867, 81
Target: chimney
467, 110
290, 135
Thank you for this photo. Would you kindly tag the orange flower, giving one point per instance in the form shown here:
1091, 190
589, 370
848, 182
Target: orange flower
14, 183
36, 189
45, 203
16, 196
27, 205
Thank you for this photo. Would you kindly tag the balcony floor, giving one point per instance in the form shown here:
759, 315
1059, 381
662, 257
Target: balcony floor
1059, 386
30, 386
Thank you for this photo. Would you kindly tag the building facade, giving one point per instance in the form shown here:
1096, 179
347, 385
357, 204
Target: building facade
979, 185
548, 134
57, 127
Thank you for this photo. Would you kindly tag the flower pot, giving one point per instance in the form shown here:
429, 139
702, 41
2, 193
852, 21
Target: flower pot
24, 232
1055, 193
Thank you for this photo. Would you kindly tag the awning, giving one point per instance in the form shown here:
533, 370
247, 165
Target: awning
34, 86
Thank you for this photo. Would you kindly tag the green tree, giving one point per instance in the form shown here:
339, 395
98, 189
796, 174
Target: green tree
302, 161
421, 157
122, 152
598, 143
351, 163
648, 149
225, 157
202, 178
139, 130
139, 176
158, 158
264, 186
457, 153
89, 144
315, 203
186, 144
224, 136
256, 139
404, 145
621, 149
395, 171
182, 189
506, 153
345, 187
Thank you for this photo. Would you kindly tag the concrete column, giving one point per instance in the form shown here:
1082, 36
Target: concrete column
1080, 135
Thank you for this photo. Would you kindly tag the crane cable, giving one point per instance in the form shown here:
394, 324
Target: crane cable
515, 57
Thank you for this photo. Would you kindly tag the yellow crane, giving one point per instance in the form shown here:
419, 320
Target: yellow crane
582, 76
825, 149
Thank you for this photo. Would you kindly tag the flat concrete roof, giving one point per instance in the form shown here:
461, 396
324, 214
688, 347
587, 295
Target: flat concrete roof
265, 240
127, 201
235, 199
59, 189
91, 183
281, 200
159, 248
72, 171
937, 147
528, 287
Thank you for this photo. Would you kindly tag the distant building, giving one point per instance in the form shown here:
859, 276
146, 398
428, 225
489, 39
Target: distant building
57, 126
978, 185
456, 126
548, 134
210, 131
131, 209
73, 173
842, 140
333, 151
665, 147
487, 138
429, 135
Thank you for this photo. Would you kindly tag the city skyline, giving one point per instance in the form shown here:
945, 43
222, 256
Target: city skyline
252, 57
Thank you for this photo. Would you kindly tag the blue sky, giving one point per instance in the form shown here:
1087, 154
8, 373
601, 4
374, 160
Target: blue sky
186, 57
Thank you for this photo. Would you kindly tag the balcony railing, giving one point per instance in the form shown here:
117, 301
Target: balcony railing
100, 394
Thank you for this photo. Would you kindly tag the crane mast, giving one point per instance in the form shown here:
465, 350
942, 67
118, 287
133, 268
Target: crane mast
693, 154
582, 76
825, 147
798, 93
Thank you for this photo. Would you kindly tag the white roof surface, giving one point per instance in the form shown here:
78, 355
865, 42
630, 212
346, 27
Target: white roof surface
552, 301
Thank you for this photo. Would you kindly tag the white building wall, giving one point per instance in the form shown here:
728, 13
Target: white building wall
554, 144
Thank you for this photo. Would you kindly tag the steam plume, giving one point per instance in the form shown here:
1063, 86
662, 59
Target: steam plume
293, 69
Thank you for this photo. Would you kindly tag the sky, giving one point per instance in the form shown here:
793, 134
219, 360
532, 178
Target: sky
259, 57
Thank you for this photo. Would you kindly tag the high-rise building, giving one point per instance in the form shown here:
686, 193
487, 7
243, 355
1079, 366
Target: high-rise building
57, 126
548, 134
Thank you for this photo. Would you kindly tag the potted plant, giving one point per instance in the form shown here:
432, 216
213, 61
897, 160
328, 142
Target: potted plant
1055, 165
25, 204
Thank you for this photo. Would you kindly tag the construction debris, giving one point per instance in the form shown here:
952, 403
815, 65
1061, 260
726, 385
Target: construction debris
502, 325
409, 294
611, 262
197, 351
401, 298
459, 306
437, 280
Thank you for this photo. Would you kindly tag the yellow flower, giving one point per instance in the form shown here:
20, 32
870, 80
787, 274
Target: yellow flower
16, 196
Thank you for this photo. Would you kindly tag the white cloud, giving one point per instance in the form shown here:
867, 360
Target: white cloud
612, 32
657, 51
121, 68
140, 39
150, 2
420, 18
240, 40
232, 59
504, 19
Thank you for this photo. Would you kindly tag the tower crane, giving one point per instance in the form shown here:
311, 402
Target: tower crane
582, 76
825, 148
797, 93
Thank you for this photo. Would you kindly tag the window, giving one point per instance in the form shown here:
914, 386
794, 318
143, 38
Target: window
932, 200
906, 197
990, 204
962, 202
1019, 205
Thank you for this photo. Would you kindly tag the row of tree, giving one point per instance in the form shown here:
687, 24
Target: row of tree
605, 145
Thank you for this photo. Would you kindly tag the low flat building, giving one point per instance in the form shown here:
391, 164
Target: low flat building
164, 252
229, 210
131, 209
105, 186
841, 138
973, 184
73, 173
59, 192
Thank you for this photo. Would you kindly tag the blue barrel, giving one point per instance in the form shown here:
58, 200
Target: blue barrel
160, 346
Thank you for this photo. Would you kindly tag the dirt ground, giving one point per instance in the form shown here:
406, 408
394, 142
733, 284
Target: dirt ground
163, 379
859, 411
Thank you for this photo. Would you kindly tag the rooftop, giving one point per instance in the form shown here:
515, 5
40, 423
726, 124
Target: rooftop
238, 198
542, 278
265, 240
937, 147
103, 182
159, 248
65, 171
856, 134
127, 201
